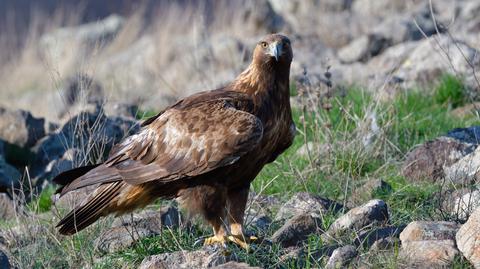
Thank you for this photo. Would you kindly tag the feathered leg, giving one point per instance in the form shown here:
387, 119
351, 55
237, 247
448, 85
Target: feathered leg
237, 201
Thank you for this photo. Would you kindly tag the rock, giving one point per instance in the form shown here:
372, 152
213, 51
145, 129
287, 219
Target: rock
341, 257
303, 202
127, 231
68, 161
429, 244
368, 190
426, 64
363, 48
59, 43
20, 128
469, 135
370, 238
429, 253
263, 17
235, 265
426, 162
369, 8
7, 207
461, 203
118, 238
91, 133
152, 220
465, 170
4, 262
9, 176
468, 239
372, 213
429, 230
186, 259
385, 244
296, 229
79, 91
122, 110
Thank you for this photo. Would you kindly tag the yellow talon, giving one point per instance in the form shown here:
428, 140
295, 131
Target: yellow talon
242, 241
221, 240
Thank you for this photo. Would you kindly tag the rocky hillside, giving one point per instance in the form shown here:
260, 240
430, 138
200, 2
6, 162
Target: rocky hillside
383, 171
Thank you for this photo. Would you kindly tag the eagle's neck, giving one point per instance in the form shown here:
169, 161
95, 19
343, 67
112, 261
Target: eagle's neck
267, 84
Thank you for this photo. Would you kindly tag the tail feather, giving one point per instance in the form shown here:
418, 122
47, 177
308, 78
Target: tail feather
69, 176
86, 214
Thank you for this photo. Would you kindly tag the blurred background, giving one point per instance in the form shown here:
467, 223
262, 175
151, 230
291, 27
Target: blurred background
149, 53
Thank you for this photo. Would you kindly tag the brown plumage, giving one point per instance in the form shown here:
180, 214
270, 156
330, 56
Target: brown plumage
204, 150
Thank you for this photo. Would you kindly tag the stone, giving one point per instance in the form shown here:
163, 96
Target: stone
296, 230
9, 176
464, 171
370, 238
303, 202
126, 231
429, 230
4, 262
468, 239
8, 208
341, 257
235, 265
91, 133
363, 48
20, 128
119, 238
470, 135
461, 203
204, 258
426, 162
372, 213
385, 244
429, 253
262, 17
368, 190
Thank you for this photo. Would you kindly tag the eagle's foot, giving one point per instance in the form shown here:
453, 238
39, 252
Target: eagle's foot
242, 241
215, 240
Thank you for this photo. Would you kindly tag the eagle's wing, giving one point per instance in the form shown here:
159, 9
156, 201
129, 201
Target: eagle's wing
184, 141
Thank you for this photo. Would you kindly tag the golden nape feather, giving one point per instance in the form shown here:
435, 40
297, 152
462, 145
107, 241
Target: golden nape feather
205, 150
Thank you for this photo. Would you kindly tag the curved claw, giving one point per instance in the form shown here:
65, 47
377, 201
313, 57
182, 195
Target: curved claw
215, 240
242, 241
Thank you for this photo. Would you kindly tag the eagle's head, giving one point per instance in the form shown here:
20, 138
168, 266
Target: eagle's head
274, 49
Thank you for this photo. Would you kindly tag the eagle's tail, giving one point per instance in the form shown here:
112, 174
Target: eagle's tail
117, 197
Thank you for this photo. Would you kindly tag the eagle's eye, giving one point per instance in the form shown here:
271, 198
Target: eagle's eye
264, 45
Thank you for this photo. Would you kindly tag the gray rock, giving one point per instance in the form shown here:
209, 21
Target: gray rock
20, 128
235, 265
58, 43
366, 191
372, 213
461, 203
303, 202
465, 170
468, 239
122, 110
470, 135
203, 258
8, 208
341, 257
296, 230
363, 48
429, 230
429, 253
385, 244
426, 162
126, 231
4, 262
9, 176
92, 133
370, 238
119, 238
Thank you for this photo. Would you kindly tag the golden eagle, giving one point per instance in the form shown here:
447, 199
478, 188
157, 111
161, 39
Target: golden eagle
205, 150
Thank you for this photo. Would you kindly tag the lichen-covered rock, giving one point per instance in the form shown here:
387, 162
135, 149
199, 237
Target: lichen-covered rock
204, 258
429, 253
296, 230
341, 257
468, 239
426, 162
369, 214
465, 170
363, 48
303, 202
460, 203
429, 230
20, 128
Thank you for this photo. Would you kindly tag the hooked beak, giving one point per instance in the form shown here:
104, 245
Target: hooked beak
275, 50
